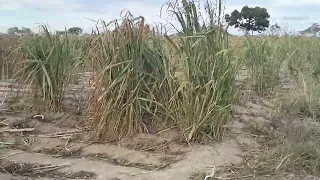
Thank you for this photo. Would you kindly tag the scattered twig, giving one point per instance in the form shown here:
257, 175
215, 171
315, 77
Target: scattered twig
212, 174
58, 134
161, 167
231, 171
65, 146
159, 132
155, 147
282, 161
17, 130
53, 136
242, 177
144, 172
4, 170
4, 124
38, 116
52, 166
66, 132
4, 143
43, 169
4, 99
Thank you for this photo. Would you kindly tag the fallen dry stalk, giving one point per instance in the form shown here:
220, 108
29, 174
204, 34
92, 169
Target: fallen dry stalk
17, 130
285, 158
4, 143
212, 174
65, 134
51, 166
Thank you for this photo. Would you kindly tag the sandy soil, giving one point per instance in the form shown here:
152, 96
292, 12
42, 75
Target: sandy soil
57, 148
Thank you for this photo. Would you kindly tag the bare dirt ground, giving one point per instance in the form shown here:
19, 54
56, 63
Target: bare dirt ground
53, 146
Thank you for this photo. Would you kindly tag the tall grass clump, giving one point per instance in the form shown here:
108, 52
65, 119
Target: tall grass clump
49, 63
9, 55
263, 59
307, 57
132, 78
201, 104
303, 69
297, 61
301, 73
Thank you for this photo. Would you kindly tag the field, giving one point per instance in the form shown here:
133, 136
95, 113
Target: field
134, 104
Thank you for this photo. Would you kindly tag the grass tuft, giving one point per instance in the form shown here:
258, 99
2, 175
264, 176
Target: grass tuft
49, 63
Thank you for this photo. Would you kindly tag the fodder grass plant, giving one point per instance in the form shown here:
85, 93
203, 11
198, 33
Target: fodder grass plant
137, 84
49, 63
132, 78
201, 106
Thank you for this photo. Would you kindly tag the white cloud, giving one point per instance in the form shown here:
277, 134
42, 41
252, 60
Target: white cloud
56, 5
75, 14
295, 2
149, 12
9, 5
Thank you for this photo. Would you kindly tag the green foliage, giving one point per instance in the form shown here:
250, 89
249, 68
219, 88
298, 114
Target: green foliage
25, 31
132, 80
293, 148
16, 30
49, 64
75, 30
303, 69
313, 29
137, 85
12, 30
201, 106
249, 19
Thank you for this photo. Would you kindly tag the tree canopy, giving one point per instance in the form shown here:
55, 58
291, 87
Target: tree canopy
75, 30
12, 30
16, 30
249, 19
313, 29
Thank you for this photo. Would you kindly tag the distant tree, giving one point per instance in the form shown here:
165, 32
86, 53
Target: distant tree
314, 29
22, 31
13, 30
249, 19
75, 30
25, 31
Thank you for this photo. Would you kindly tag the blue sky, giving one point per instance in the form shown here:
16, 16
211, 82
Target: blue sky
294, 15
